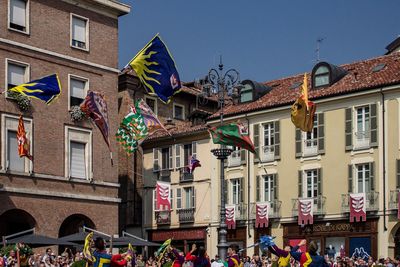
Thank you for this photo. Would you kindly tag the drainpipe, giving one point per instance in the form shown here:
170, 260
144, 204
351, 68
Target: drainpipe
248, 183
384, 159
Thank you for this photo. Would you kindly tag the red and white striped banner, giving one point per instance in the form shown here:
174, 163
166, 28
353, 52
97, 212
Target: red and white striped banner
358, 203
163, 201
306, 211
230, 217
262, 211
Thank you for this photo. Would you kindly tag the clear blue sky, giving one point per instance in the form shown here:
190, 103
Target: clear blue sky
263, 39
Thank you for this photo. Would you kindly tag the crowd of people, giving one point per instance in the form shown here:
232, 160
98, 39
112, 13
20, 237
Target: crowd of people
272, 256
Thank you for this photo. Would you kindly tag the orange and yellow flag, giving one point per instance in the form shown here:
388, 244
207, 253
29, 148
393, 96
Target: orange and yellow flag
23, 142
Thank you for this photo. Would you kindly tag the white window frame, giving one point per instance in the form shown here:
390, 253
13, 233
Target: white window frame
87, 32
361, 142
82, 136
191, 197
314, 185
10, 122
364, 179
183, 111
310, 145
235, 186
271, 190
80, 78
268, 151
155, 103
27, 18
20, 63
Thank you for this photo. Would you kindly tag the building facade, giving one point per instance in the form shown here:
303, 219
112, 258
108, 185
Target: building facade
70, 182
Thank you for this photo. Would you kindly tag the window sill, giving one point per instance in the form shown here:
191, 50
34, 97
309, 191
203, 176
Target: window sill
79, 48
357, 151
19, 31
310, 157
235, 167
267, 163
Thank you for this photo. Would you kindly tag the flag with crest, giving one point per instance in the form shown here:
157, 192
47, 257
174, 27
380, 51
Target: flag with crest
156, 70
234, 134
152, 122
23, 142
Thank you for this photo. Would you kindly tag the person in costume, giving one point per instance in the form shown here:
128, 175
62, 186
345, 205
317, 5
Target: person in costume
199, 259
103, 259
233, 257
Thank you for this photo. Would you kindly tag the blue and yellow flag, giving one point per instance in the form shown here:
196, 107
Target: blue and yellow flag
47, 88
156, 70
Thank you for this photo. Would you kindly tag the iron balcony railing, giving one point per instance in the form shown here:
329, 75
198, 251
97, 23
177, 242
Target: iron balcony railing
163, 217
372, 201
185, 175
319, 206
240, 211
186, 215
274, 210
310, 147
268, 153
394, 199
234, 159
362, 139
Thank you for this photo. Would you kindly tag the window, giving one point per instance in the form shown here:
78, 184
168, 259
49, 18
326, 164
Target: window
152, 103
171, 196
269, 190
311, 140
19, 15
310, 184
166, 158
362, 127
79, 32
363, 184
10, 159
321, 76
17, 73
79, 153
246, 93
237, 191
189, 197
268, 150
235, 157
78, 88
179, 112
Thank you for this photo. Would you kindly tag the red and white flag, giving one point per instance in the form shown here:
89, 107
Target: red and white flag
230, 217
306, 211
357, 203
23, 142
162, 196
262, 211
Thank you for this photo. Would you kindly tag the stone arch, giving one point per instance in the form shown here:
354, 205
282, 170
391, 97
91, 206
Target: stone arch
15, 220
73, 223
394, 238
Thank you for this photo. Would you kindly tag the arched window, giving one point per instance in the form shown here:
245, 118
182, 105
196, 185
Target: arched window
321, 76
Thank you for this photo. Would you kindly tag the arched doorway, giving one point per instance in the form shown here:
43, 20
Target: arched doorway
73, 223
397, 242
14, 221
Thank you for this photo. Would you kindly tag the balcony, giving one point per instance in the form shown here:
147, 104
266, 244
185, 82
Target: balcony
186, 215
319, 206
240, 211
361, 139
185, 175
372, 203
234, 159
165, 175
310, 147
267, 153
394, 199
274, 210
163, 217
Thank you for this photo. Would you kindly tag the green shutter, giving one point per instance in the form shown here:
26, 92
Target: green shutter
276, 187
256, 137
349, 129
398, 173
321, 134
350, 180
258, 177
371, 176
277, 140
300, 183
374, 126
319, 181
298, 143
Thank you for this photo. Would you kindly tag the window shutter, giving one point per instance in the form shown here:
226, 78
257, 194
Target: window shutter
258, 177
77, 88
374, 126
156, 165
178, 156
277, 140
193, 197
170, 158
154, 200
300, 182
15, 163
350, 180
256, 131
171, 198
79, 29
298, 143
398, 173
78, 162
321, 134
319, 181
276, 187
349, 129
226, 191
18, 12
371, 176
194, 149
178, 198
241, 181
243, 153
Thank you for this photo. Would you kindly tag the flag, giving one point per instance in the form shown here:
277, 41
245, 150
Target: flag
163, 247
156, 70
306, 211
87, 252
23, 142
358, 211
262, 212
234, 134
46, 89
303, 111
131, 254
150, 119
230, 217
163, 199
193, 163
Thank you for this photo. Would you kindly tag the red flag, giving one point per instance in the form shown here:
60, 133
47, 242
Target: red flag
262, 210
23, 142
306, 211
357, 204
162, 196
230, 217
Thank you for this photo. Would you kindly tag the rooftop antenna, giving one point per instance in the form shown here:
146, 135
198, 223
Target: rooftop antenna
319, 41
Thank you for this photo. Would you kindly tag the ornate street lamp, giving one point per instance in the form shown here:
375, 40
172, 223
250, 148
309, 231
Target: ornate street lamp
222, 84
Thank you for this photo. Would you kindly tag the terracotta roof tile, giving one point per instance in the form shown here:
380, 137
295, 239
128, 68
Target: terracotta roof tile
180, 128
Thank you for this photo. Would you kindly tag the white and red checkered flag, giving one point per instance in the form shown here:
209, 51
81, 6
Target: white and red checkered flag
357, 203
306, 211
162, 196
262, 210
230, 217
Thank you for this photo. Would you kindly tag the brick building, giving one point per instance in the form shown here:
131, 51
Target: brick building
70, 182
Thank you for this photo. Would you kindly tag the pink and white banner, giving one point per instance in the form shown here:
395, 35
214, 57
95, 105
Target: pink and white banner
306, 211
230, 217
262, 210
358, 203
163, 201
